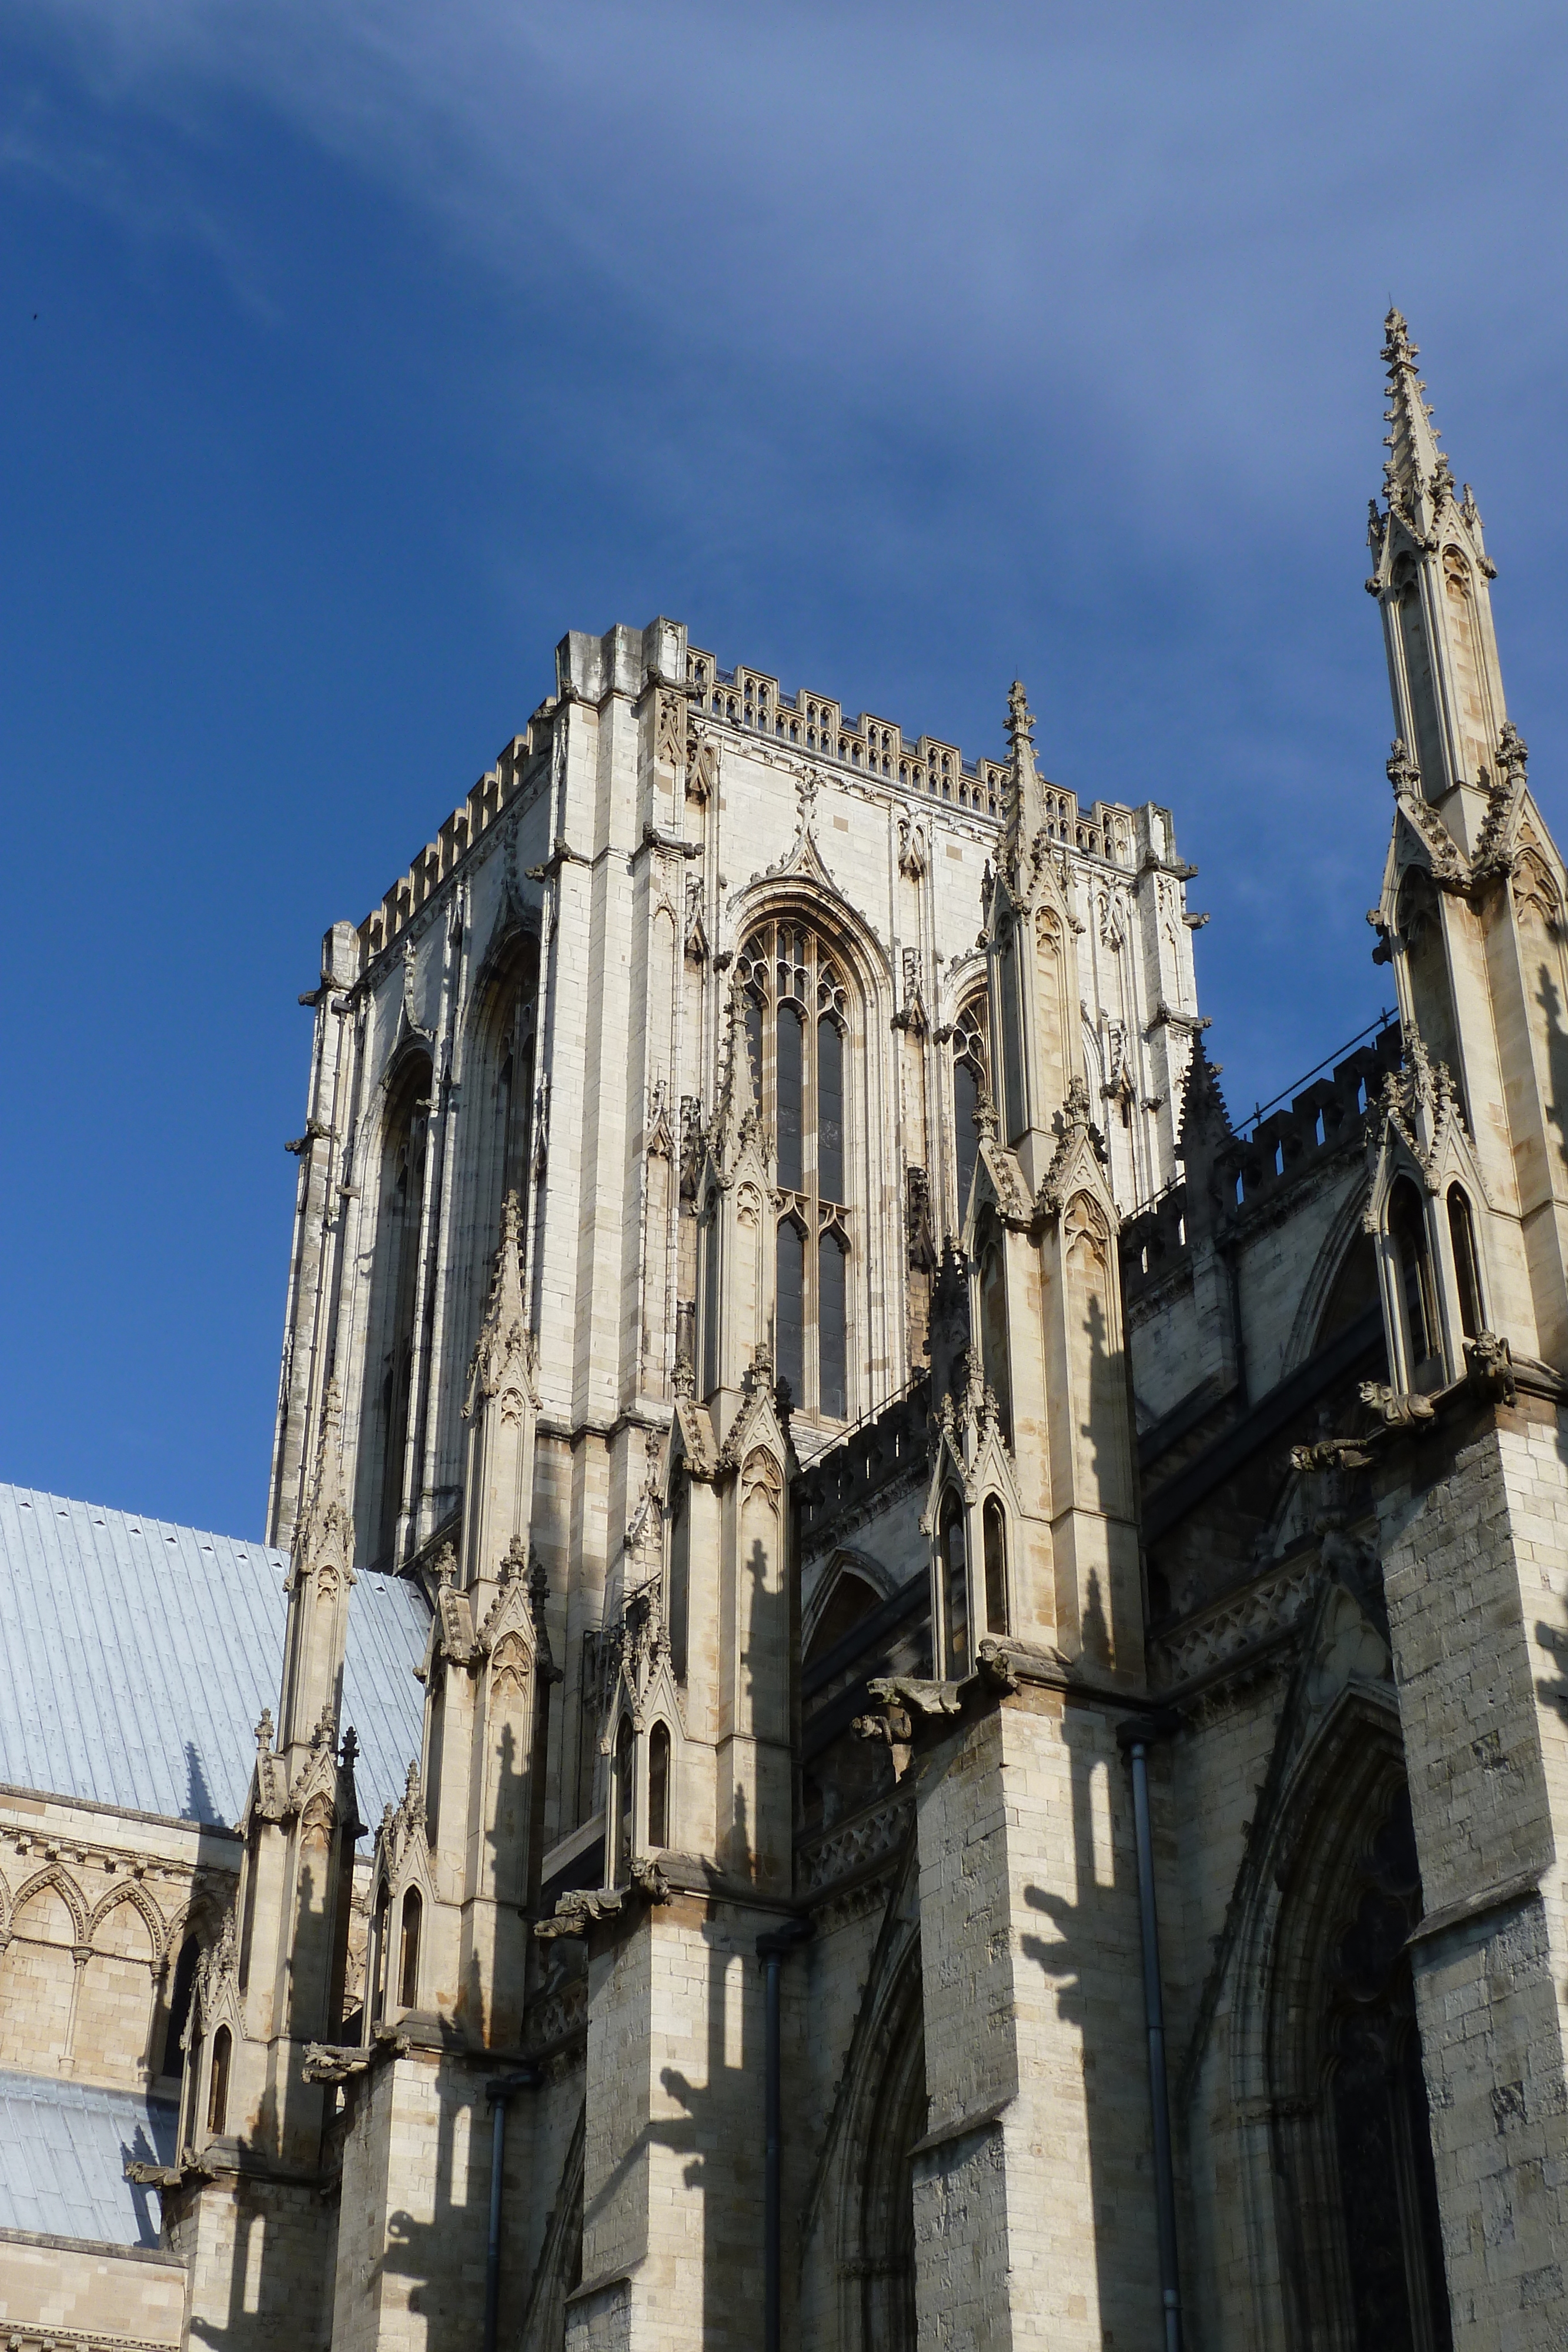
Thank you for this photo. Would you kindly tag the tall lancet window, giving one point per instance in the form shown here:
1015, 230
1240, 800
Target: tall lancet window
389, 1358
495, 1137
800, 1028
971, 1084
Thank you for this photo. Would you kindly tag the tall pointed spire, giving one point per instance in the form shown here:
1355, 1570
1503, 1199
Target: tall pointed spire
738, 1104
320, 1571
504, 1352
1024, 802
1415, 466
1430, 574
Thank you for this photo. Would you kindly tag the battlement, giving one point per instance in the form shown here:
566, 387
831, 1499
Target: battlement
814, 723
749, 700
1251, 1171
886, 1447
489, 797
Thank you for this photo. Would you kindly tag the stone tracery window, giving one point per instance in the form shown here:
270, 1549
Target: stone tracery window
799, 1030
971, 1087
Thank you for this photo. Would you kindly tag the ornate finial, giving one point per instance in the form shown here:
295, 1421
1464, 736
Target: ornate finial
1203, 1117
1513, 755
326, 1732
445, 1566
685, 1377
1415, 467
348, 1752
514, 1560
504, 1355
324, 1539
738, 1096
264, 1731
1023, 806
1403, 773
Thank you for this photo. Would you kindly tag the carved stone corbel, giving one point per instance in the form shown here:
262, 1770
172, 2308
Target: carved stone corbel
1488, 1368
903, 1705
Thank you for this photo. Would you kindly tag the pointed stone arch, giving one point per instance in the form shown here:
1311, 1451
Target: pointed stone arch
559, 2270
139, 1901
496, 1110
40, 1967
394, 1166
1325, 2044
881, 2114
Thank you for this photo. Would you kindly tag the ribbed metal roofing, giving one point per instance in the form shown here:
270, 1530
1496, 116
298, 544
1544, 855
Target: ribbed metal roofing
62, 2159
136, 1658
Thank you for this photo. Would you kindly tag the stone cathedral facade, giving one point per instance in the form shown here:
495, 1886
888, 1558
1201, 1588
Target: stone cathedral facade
993, 1715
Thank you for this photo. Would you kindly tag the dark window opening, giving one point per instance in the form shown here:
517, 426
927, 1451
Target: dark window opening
622, 1796
994, 1534
218, 2090
180, 2005
408, 1971
659, 1786
953, 1553
832, 1338
1423, 1344
1467, 1270
789, 1336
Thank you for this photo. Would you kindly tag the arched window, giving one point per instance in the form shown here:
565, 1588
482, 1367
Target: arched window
994, 1355
622, 1797
408, 1961
789, 1332
1466, 1269
678, 1602
180, 2005
798, 1029
832, 1338
218, 2088
994, 1530
971, 1084
378, 1958
389, 1358
953, 1563
496, 1132
1427, 748
659, 1786
1417, 1297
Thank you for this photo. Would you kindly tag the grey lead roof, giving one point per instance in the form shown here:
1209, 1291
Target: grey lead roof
136, 1658
62, 2159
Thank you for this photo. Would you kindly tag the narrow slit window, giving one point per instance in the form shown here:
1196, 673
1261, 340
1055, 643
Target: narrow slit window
955, 1569
623, 1796
408, 1968
830, 1112
995, 1531
790, 1059
789, 1336
1467, 1269
659, 1786
180, 2005
1407, 1230
833, 1369
218, 2090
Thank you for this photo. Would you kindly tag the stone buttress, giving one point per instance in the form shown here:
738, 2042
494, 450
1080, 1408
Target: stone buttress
1468, 1212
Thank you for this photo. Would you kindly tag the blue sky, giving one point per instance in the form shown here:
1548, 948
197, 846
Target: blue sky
353, 352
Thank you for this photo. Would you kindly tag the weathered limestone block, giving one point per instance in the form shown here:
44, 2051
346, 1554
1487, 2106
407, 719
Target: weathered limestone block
1477, 1577
1034, 2197
673, 2213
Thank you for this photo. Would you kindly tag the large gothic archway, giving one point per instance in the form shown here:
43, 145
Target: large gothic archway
1354, 2189
888, 2116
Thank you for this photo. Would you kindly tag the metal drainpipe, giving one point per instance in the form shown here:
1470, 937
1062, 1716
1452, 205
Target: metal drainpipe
771, 1950
498, 2091
1135, 1739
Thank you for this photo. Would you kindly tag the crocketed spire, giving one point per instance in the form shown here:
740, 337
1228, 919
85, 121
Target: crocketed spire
1415, 463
